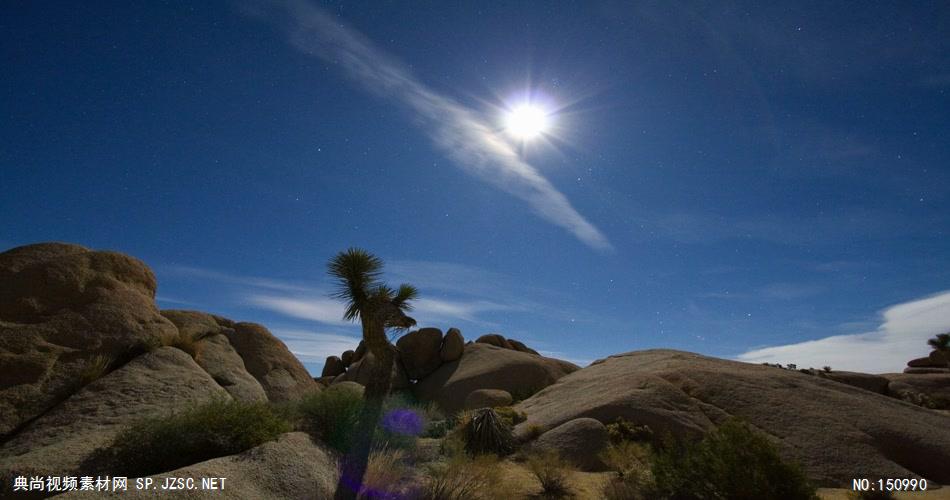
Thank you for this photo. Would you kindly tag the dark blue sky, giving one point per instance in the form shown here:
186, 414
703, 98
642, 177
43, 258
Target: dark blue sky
720, 177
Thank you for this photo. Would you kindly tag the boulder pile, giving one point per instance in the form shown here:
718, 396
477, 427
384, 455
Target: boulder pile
84, 351
455, 374
937, 362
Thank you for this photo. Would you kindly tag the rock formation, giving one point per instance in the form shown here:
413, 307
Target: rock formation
484, 366
835, 430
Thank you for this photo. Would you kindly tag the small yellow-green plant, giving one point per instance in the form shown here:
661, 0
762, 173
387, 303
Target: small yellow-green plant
464, 478
94, 368
552, 472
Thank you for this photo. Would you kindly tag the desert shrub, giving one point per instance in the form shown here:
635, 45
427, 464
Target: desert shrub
94, 369
827, 369
919, 399
623, 489
331, 416
486, 432
621, 430
551, 472
523, 393
438, 428
534, 431
215, 429
463, 478
627, 458
386, 475
731, 462
510, 415
399, 428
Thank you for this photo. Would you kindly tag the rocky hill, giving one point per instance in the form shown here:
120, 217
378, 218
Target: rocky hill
84, 351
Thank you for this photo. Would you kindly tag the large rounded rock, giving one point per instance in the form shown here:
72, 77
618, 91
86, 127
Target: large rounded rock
484, 366
153, 384
215, 353
419, 352
935, 386
928, 369
920, 363
362, 371
452, 345
347, 358
271, 363
333, 367
687, 394
495, 340
226, 367
61, 307
939, 358
487, 398
579, 441
520, 347
293, 467
866, 381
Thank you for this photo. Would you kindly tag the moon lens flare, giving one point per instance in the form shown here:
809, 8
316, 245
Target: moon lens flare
527, 121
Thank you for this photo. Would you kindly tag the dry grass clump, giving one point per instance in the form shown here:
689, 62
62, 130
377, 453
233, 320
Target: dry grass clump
552, 473
463, 478
95, 368
387, 475
188, 343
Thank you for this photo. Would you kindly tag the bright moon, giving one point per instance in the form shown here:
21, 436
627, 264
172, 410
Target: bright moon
527, 121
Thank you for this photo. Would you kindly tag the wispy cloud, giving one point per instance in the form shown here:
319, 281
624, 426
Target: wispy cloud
459, 131
314, 347
330, 312
322, 310
234, 279
900, 337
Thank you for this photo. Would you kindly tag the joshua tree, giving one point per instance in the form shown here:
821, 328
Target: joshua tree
941, 342
377, 307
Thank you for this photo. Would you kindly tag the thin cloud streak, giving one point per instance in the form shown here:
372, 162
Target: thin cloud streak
315, 347
322, 310
457, 130
901, 337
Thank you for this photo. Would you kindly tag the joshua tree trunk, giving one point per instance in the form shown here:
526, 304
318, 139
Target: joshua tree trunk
355, 462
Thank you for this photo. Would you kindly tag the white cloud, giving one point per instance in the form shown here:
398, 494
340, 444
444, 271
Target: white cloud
323, 310
459, 131
901, 337
314, 347
235, 279
431, 309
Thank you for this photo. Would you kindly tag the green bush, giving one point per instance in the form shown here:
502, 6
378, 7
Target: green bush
621, 431
510, 415
215, 429
732, 462
331, 416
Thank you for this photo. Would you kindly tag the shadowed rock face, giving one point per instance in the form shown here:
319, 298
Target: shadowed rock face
69, 316
836, 431
291, 467
60, 306
152, 384
484, 366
